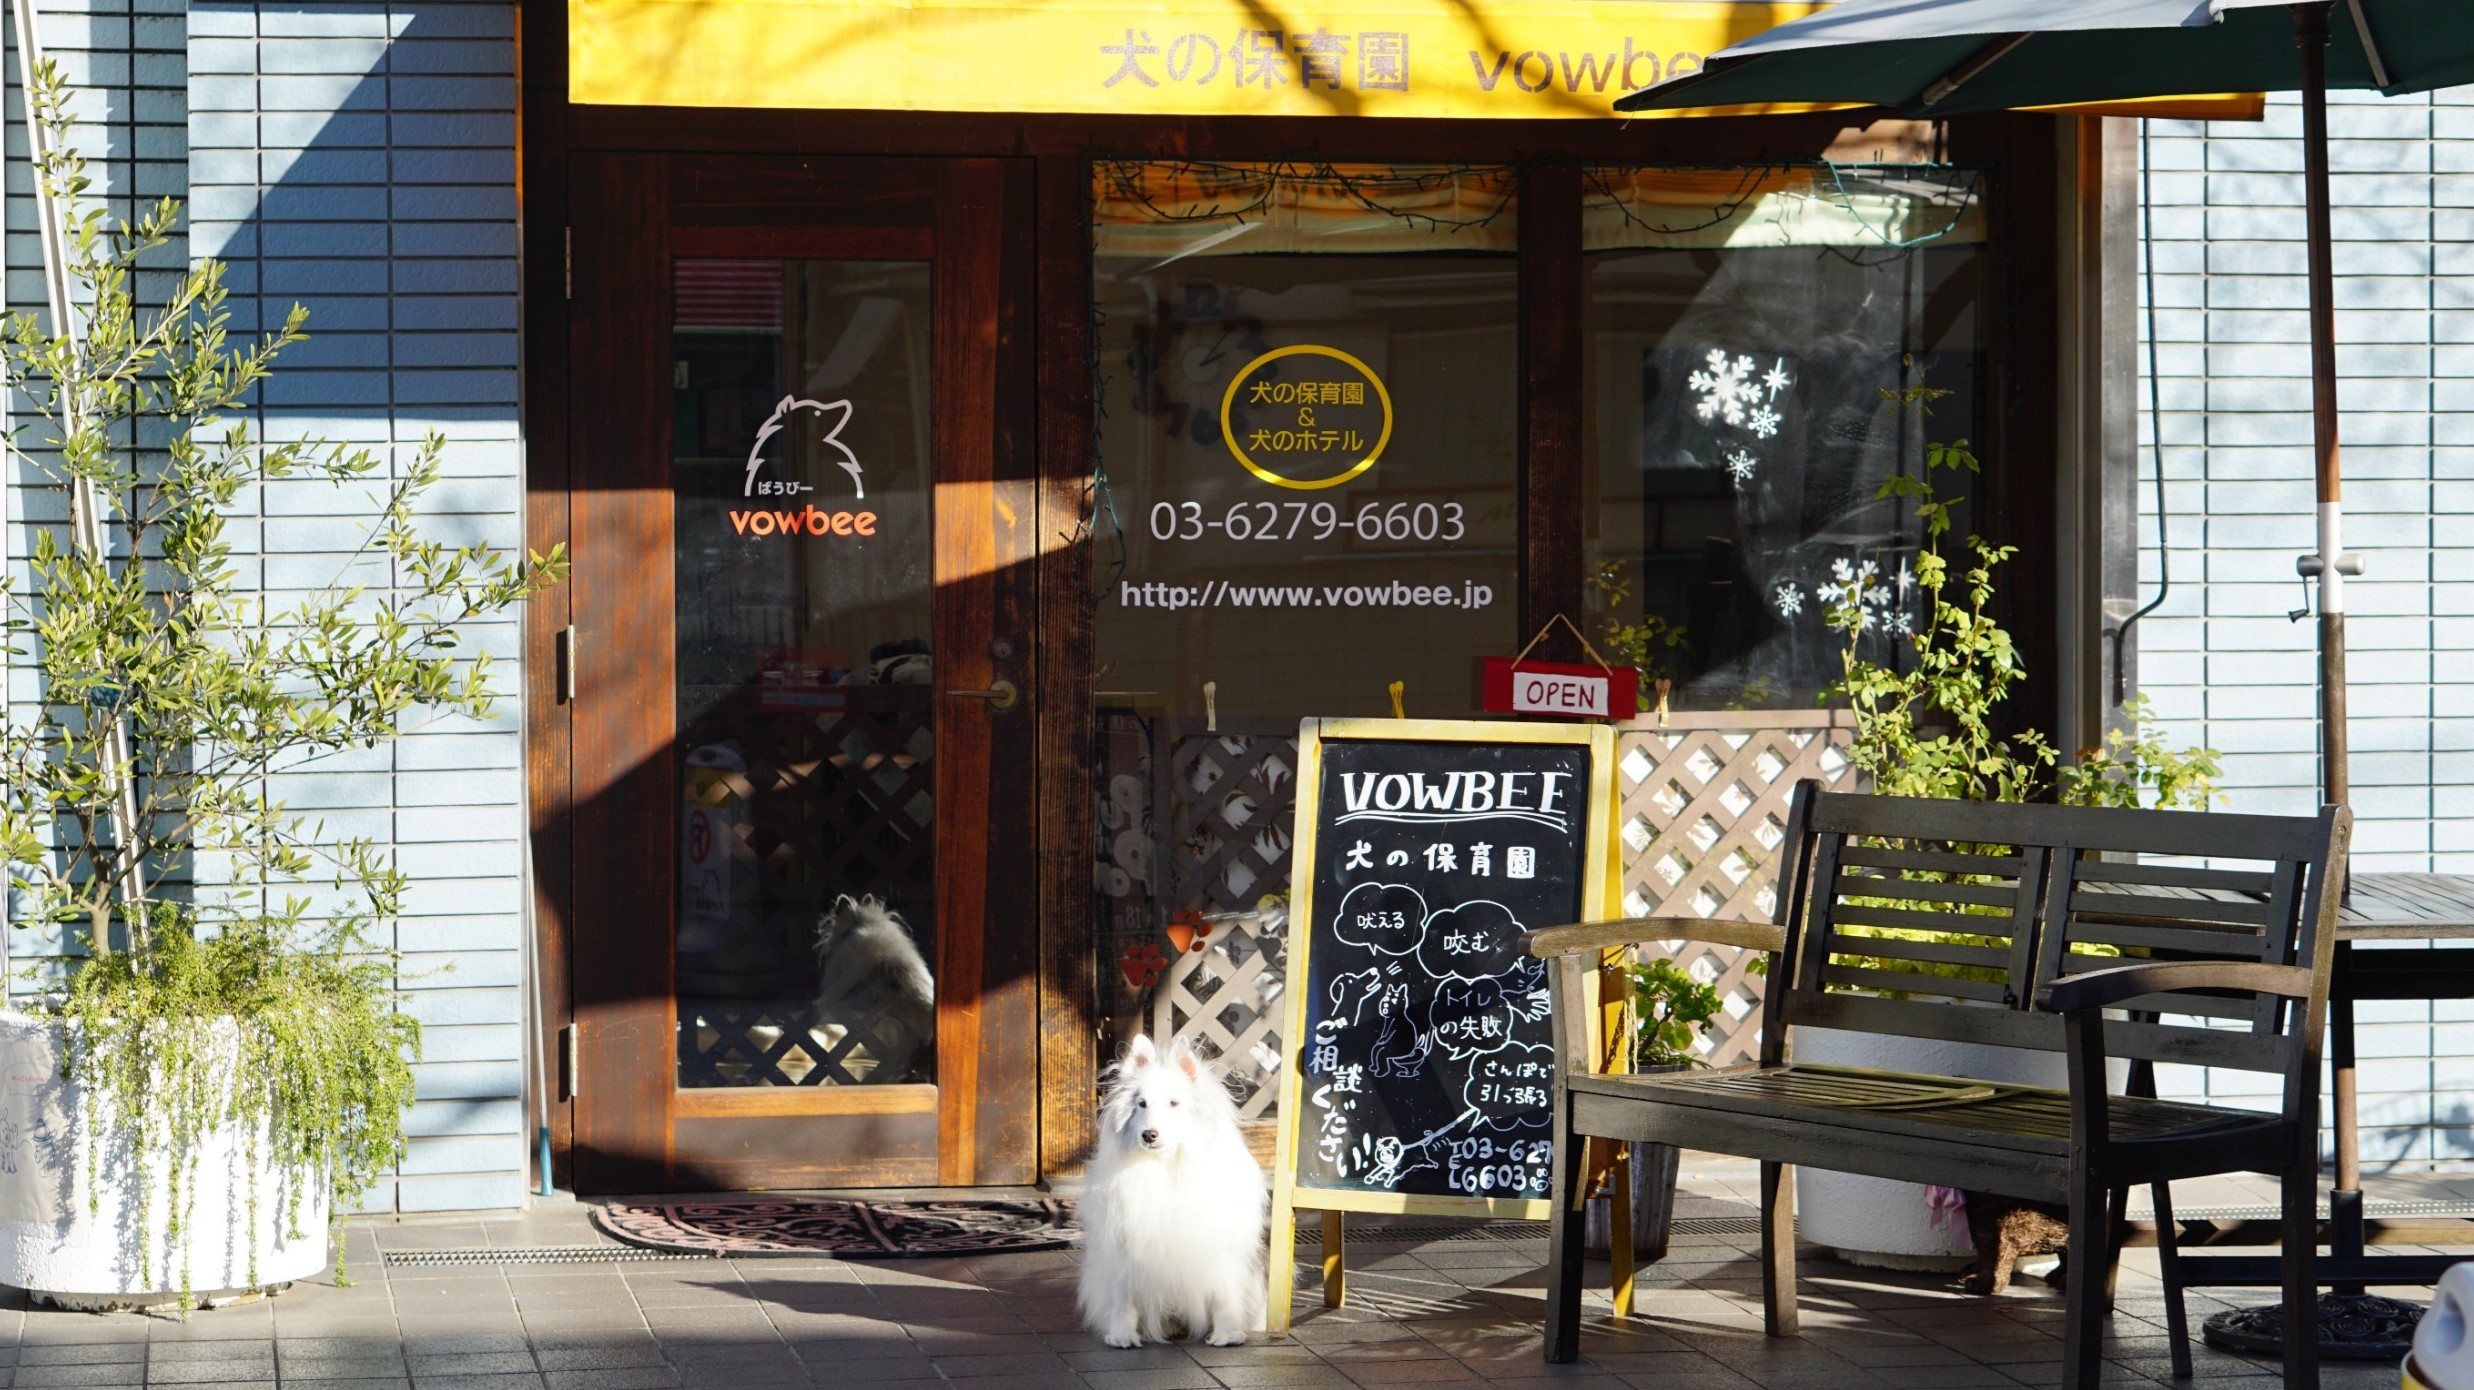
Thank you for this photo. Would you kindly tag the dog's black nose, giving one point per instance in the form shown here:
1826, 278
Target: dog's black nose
1151, 1136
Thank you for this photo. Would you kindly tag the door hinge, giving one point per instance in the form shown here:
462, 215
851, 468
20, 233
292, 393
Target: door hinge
567, 1087
567, 665
569, 233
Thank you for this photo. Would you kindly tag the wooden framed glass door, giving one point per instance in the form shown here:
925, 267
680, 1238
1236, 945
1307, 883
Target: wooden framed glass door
801, 662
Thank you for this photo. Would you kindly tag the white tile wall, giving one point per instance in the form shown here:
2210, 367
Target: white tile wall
358, 158
2220, 660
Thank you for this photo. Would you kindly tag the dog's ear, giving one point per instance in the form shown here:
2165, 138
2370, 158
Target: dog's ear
1140, 1053
1181, 1056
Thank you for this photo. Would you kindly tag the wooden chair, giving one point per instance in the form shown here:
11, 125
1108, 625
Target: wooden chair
2064, 951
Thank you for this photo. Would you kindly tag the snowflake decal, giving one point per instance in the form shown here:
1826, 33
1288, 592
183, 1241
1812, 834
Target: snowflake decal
1776, 379
1726, 387
1739, 466
1855, 588
1859, 597
1764, 421
1790, 600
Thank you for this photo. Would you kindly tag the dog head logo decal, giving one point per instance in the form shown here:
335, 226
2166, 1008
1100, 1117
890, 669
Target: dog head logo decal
836, 413
810, 520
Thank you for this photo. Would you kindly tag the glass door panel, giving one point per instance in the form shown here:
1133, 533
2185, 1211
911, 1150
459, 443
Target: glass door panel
804, 553
802, 584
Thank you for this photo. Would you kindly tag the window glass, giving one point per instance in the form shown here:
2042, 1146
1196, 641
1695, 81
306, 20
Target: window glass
807, 718
1749, 334
1309, 434
1309, 430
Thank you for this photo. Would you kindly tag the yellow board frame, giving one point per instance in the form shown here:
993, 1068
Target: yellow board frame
1597, 872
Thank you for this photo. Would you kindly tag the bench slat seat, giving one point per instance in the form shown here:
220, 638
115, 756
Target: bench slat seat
2113, 937
2013, 1133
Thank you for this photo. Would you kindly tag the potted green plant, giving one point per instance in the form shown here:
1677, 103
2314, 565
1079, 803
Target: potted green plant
1668, 1010
1929, 726
207, 1061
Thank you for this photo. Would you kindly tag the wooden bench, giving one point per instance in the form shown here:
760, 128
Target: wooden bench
2095, 958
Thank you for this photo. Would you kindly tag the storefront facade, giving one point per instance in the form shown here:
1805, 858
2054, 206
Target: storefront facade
1533, 287
965, 503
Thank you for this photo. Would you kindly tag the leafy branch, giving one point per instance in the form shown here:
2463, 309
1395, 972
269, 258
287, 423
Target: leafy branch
1931, 727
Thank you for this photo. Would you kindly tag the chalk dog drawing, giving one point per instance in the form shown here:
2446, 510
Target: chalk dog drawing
1399, 1049
779, 420
1481, 988
1394, 1160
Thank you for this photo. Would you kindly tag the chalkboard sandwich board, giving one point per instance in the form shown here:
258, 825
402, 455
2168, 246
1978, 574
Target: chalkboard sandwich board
1417, 1074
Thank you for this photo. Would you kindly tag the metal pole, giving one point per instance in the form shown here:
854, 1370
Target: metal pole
2331, 562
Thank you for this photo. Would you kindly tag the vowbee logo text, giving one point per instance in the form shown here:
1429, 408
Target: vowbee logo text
1416, 798
810, 519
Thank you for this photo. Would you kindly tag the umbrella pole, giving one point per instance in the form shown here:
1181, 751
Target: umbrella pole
2345, 1213
2330, 563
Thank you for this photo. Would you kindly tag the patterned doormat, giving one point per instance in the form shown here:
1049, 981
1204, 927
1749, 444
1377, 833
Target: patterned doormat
742, 1227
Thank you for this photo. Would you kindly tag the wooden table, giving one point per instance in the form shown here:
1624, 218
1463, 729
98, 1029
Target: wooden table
2378, 907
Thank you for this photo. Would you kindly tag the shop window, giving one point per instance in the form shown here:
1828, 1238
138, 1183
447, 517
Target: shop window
1308, 386
1750, 334
1309, 441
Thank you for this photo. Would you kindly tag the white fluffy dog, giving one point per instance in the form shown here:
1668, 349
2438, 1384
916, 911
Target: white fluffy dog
867, 966
1173, 1207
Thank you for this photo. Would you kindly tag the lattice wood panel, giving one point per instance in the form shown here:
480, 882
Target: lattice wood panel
1226, 998
820, 803
1704, 813
1198, 820
1126, 874
1232, 799
1704, 810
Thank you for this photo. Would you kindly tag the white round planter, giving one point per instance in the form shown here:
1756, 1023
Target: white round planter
1874, 1221
84, 1244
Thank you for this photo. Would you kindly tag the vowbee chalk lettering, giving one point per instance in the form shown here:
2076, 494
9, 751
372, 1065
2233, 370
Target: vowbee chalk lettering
1542, 797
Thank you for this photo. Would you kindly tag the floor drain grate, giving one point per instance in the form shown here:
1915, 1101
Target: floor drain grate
536, 1255
2374, 1211
1717, 1226
1310, 1232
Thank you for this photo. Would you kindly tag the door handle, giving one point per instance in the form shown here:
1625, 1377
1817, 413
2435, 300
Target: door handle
1000, 696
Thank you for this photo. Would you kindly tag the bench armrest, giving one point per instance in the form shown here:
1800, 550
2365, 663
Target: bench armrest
2099, 989
1584, 936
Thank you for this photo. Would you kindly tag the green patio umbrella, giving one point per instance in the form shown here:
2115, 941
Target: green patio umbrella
1928, 58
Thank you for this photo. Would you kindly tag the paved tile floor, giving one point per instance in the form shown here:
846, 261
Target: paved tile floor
1458, 1311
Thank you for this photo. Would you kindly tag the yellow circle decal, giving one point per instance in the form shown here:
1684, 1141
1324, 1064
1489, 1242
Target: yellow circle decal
1306, 417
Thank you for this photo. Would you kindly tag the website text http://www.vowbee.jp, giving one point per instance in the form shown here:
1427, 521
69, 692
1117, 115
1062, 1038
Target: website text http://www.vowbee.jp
1221, 593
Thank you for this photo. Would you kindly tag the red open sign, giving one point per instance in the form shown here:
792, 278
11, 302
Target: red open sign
1559, 689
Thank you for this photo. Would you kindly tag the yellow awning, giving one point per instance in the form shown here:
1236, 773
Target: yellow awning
1432, 58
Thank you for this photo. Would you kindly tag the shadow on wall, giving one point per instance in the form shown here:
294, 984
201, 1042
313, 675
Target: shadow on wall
359, 159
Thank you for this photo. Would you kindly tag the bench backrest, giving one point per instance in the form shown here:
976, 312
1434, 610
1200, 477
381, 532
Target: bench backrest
2017, 896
